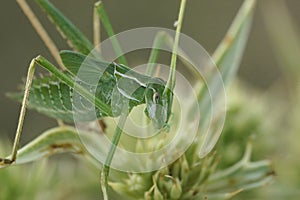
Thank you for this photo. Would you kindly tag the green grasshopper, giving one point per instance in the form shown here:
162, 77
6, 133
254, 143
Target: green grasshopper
52, 94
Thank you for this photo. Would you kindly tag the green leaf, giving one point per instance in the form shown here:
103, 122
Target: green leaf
53, 141
68, 30
229, 53
227, 58
110, 32
244, 175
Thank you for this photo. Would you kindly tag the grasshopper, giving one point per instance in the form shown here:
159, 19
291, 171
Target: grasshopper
52, 94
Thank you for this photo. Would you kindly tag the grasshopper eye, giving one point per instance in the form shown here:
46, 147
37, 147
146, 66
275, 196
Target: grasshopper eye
156, 97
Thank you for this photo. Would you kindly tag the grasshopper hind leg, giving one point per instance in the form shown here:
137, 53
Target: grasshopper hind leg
31, 69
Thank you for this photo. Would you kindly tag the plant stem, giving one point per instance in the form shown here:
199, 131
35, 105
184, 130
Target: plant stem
172, 76
113, 147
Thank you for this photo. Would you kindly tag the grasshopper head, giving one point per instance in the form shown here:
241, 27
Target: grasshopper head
158, 102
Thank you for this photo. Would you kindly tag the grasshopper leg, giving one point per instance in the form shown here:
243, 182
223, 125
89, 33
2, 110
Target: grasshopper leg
40, 61
44, 63
43, 35
29, 78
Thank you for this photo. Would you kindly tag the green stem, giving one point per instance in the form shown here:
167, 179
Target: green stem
159, 39
107, 25
113, 147
172, 76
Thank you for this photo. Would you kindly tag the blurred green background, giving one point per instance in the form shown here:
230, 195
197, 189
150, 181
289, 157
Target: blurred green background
206, 21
